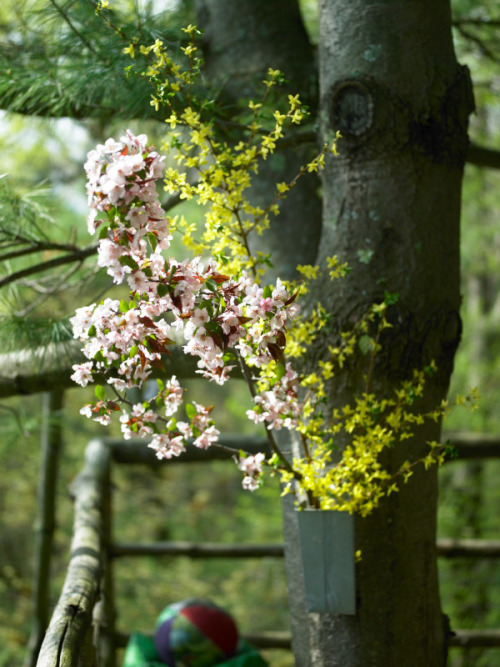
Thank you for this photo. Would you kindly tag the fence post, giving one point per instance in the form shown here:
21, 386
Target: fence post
51, 449
66, 640
105, 611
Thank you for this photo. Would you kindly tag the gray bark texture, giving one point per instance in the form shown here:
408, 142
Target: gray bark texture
389, 81
242, 41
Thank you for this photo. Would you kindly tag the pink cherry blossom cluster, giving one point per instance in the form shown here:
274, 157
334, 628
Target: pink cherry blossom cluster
222, 320
280, 405
121, 184
252, 468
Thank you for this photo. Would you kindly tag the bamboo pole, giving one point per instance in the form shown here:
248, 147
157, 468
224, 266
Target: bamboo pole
34, 371
476, 638
266, 640
447, 548
137, 451
70, 623
198, 550
51, 449
472, 548
105, 611
282, 640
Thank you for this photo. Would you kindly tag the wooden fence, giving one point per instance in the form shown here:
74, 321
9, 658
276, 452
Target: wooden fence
82, 630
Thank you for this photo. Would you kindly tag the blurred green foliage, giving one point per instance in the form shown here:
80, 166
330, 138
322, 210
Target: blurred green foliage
469, 494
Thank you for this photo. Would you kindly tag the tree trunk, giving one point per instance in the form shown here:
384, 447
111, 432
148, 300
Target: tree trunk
242, 41
390, 83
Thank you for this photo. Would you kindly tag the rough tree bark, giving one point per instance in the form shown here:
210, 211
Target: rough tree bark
390, 82
242, 40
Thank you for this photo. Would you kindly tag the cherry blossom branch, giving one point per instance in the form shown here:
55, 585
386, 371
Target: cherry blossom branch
284, 464
220, 318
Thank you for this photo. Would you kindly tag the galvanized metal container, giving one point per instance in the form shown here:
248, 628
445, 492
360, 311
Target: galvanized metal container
327, 548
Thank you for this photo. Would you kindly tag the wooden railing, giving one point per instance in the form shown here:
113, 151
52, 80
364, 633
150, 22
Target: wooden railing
68, 641
82, 629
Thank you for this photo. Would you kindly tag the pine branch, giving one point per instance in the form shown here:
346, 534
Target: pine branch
80, 36
22, 218
78, 255
35, 247
53, 286
29, 333
74, 254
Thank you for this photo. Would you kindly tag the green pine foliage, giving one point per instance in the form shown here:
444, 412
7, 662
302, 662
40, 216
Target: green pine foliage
62, 59
29, 238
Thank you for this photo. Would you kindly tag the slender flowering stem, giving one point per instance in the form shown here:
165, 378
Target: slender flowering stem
284, 464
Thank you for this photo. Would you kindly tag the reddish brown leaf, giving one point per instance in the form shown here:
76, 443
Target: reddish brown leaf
275, 351
147, 321
291, 299
219, 278
280, 339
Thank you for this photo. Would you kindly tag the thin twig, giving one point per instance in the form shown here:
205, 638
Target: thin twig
76, 256
36, 247
61, 284
294, 139
66, 18
478, 42
270, 437
487, 23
